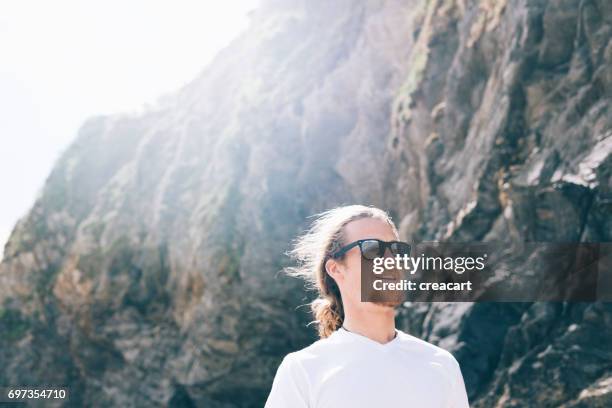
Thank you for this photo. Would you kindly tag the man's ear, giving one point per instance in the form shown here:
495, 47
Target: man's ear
333, 269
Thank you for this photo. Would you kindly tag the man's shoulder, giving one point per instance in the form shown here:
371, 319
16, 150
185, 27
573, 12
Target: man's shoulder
321, 348
423, 347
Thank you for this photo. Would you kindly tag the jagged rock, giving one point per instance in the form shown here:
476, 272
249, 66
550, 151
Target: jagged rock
146, 272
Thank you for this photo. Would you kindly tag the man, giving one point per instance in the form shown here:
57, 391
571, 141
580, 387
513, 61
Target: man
361, 360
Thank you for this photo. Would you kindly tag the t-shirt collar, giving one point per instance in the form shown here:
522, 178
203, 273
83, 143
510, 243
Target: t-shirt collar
348, 335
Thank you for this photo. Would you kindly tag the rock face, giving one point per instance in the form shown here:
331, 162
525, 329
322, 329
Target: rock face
146, 272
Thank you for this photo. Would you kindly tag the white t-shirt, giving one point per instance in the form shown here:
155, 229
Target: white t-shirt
350, 370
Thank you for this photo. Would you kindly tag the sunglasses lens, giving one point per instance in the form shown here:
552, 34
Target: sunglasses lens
400, 248
370, 249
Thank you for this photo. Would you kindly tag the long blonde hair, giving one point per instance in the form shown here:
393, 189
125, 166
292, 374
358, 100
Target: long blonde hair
312, 249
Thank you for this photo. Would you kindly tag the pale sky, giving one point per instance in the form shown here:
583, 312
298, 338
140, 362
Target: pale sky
62, 61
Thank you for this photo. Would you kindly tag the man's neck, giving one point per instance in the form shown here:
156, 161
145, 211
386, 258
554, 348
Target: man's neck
377, 325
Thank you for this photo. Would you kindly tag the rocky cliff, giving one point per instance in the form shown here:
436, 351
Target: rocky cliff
146, 273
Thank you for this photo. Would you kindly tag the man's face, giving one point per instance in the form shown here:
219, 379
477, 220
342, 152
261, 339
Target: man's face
347, 271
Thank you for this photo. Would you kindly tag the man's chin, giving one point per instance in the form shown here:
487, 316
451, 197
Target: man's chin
388, 304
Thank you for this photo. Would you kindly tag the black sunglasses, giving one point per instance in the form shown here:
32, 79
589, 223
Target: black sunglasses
373, 248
